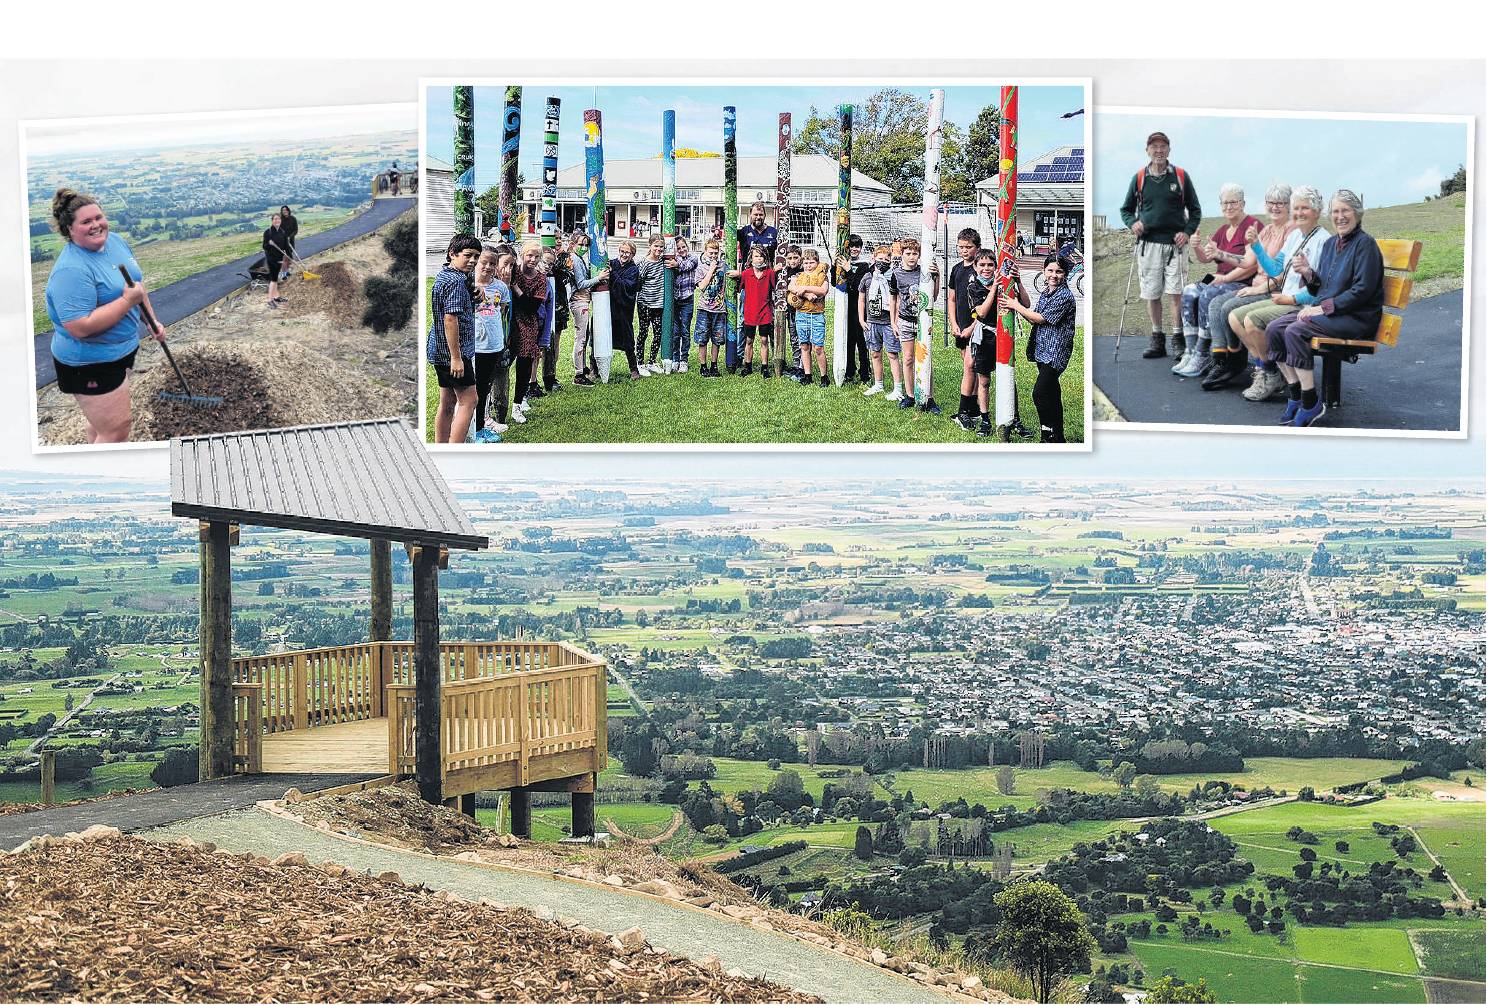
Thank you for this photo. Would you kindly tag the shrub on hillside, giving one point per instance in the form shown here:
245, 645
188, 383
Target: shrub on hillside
390, 298
179, 766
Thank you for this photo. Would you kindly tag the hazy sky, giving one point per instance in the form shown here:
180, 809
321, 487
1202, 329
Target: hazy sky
1386, 162
632, 119
44, 139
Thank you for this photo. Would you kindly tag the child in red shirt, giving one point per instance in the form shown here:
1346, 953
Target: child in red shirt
757, 317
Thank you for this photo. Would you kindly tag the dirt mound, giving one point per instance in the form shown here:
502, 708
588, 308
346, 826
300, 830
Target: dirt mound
121, 919
262, 385
337, 294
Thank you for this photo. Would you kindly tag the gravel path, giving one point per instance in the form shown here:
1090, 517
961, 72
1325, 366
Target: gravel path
692, 933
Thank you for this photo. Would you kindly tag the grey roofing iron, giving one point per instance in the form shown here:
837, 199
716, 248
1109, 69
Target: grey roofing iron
354, 479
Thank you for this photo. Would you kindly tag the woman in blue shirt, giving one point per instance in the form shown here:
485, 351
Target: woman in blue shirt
95, 317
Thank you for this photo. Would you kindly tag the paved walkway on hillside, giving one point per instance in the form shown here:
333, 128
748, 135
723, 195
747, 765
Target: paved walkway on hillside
185, 297
162, 806
690, 932
1415, 385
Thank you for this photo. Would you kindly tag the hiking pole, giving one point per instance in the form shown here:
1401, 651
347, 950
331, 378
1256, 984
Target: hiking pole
1115, 357
154, 327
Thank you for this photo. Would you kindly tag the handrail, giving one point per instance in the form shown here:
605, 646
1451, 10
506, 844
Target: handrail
501, 701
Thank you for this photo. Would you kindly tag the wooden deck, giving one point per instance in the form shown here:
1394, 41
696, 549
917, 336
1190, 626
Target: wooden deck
514, 715
359, 746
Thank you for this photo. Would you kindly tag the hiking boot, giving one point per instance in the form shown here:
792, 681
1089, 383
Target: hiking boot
1157, 347
1267, 385
1177, 343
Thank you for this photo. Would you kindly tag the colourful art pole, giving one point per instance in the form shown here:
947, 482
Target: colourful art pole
549, 216
730, 230
593, 159
464, 160
843, 234
1006, 214
668, 234
924, 392
510, 151
782, 226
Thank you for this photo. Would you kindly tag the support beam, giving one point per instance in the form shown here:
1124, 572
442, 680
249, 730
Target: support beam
427, 739
216, 651
381, 630
48, 776
583, 814
521, 813
467, 804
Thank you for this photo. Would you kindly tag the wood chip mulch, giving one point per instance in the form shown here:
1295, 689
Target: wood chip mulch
120, 919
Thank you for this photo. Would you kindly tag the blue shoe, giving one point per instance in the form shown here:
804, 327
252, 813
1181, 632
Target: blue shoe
486, 436
1307, 416
1293, 405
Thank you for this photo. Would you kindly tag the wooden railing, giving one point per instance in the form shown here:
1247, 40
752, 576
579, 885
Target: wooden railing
502, 701
247, 734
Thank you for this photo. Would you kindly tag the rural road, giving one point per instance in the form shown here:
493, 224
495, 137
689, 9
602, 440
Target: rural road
186, 297
640, 708
690, 932
76, 709
1462, 896
1414, 385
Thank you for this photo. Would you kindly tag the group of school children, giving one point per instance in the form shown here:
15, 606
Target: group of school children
495, 306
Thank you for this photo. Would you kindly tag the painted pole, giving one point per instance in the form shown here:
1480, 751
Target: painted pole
1006, 213
843, 234
464, 160
730, 230
548, 218
782, 226
668, 234
924, 388
593, 159
510, 152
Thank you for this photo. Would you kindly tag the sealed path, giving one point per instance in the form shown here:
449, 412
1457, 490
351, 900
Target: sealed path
1414, 385
139, 810
185, 297
690, 932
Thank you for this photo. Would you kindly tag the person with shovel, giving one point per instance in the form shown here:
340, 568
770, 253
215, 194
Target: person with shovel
275, 255
95, 316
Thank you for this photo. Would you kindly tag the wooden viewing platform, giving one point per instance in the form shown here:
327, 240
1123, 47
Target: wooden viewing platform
458, 717
514, 714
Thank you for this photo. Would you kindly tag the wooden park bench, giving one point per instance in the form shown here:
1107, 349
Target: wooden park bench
1401, 257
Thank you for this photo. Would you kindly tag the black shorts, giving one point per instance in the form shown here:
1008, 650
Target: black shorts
447, 379
986, 354
961, 341
94, 378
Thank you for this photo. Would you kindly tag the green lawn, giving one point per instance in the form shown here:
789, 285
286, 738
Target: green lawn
734, 776
684, 408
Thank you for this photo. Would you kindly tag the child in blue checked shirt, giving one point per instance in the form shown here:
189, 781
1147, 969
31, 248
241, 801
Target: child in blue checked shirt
451, 341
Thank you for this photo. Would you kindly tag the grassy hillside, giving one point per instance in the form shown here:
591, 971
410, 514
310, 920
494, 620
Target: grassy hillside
1440, 224
164, 262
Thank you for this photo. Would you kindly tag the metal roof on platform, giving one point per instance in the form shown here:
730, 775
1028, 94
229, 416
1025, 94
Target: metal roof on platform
354, 479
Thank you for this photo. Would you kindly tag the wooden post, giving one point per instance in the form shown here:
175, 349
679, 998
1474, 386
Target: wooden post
301, 687
521, 813
216, 652
428, 740
583, 814
467, 804
381, 628
48, 776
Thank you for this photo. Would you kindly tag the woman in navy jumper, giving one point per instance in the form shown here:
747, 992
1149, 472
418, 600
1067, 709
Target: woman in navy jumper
1348, 283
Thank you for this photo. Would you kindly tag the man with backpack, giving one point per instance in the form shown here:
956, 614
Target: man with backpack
1162, 211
